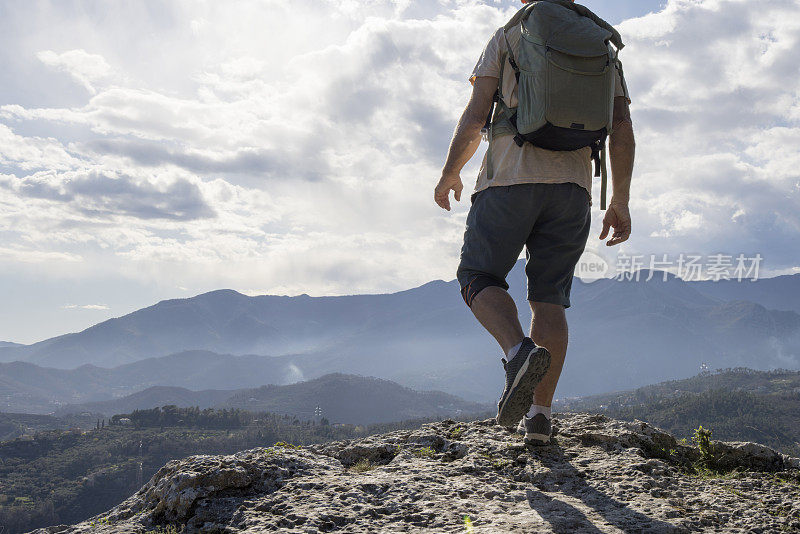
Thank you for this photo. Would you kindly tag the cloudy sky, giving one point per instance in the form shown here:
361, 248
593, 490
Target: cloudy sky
160, 149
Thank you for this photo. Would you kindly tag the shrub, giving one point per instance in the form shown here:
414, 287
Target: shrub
363, 465
702, 438
425, 452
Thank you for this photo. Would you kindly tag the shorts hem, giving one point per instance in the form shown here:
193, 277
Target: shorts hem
466, 280
551, 299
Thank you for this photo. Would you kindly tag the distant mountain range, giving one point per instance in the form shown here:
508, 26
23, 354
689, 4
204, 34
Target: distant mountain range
634, 333
228, 322
342, 398
28, 387
779, 293
352, 399
152, 397
623, 334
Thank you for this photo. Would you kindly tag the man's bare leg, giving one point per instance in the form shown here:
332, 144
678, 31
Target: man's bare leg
549, 330
495, 310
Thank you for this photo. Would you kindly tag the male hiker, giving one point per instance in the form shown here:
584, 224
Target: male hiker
560, 83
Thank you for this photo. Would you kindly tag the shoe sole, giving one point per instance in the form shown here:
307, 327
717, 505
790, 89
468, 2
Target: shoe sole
536, 439
520, 398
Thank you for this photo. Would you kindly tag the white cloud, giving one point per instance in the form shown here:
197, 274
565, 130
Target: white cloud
88, 69
102, 194
714, 88
294, 149
31, 153
29, 255
91, 307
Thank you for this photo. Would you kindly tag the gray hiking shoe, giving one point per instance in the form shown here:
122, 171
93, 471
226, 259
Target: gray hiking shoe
537, 429
523, 374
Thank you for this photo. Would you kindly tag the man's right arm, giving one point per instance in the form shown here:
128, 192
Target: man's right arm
622, 147
466, 140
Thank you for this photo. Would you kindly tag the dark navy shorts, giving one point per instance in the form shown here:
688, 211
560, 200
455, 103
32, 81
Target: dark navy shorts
551, 221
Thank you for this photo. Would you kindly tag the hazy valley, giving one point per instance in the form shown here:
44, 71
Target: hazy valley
623, 334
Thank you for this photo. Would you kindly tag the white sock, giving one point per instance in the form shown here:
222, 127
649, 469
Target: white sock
513, 351
536, 409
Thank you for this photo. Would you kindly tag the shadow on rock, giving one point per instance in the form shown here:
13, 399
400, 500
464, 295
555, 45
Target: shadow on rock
563, 498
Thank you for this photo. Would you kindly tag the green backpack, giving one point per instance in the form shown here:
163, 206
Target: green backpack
565, 82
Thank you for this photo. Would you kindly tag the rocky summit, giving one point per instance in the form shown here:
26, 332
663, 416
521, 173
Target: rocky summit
598, 475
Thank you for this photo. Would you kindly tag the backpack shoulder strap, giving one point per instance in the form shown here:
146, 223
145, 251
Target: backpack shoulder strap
498, 99
519, 16
517, 19
511, 60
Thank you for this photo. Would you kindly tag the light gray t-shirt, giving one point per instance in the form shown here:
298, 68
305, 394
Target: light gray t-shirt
528, 164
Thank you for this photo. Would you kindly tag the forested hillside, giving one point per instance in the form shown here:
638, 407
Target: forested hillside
737, 404
66, 476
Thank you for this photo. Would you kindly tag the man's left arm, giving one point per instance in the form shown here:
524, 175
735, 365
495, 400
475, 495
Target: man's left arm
466, 140
622, 147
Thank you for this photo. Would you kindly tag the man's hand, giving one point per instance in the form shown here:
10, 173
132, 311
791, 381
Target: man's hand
618, 217
449, 182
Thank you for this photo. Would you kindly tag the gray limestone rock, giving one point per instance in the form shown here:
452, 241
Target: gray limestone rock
599, 475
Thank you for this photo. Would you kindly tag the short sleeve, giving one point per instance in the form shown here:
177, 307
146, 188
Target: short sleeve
621, 88
489, 62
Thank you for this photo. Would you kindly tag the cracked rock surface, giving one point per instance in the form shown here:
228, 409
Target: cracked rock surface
599, 475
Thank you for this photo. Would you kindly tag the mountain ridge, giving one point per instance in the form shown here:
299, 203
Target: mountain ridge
352, 399
231, 304
425, 338
777, 293
777, 298
154, 396
342, 398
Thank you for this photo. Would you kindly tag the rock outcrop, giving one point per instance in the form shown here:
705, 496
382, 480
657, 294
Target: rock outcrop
599, 475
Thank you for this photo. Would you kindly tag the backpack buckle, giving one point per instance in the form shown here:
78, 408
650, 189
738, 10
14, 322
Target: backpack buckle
596, 147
